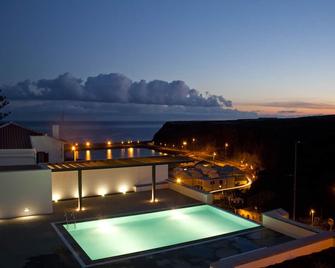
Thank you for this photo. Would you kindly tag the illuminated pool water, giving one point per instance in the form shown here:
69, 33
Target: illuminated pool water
130, 234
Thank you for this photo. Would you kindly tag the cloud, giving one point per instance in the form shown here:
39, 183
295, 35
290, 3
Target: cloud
44, 110
296, 104
113, 88
287, 112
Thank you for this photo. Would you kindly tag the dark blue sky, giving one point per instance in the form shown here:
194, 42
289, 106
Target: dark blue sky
255, 53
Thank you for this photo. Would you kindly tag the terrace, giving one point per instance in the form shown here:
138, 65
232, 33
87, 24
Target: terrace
33, 237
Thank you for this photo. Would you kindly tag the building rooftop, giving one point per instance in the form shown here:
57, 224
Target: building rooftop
117, 163
20, 168
14, 136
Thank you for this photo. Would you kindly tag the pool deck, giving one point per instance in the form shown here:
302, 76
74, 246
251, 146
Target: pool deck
32, 241
33, 236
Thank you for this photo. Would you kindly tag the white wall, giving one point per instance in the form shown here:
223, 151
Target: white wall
286, 226
266, 256
64, 185
50, 145
193, 193
23, 189
104, 181
17, 157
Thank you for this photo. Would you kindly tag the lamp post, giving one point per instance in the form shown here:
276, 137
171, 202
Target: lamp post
214, 154
312, 212
295, 178
226, 145
184, 144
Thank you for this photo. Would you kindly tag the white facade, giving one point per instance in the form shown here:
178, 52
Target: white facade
104, 181
25, 192
50, 145
17, 157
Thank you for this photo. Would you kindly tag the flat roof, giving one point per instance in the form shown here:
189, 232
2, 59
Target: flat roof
20, 168
117, 163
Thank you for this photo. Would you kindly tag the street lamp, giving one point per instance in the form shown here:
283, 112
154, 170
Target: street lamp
184, 144
312, 212
214, 154
226, 145
295, 178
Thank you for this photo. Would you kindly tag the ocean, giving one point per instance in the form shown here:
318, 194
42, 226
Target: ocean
99, 131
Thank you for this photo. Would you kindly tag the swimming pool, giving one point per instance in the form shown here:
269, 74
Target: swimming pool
121, 236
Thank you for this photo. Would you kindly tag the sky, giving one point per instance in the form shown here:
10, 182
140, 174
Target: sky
254, 58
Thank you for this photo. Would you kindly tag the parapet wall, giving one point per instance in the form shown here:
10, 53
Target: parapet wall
193, 193
25, 192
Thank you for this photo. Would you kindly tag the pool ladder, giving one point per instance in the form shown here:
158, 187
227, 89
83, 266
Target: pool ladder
74, 219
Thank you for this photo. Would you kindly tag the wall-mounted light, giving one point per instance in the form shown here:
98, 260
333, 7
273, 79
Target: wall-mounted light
123, 189
55, 197
26, 210
102, 192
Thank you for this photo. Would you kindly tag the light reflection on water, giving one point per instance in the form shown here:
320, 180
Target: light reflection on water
88, 155
111, 154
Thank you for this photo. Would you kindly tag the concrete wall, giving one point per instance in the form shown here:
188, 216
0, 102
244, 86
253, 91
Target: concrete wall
50, 145
264, 257
188, 191
104, 181
25, 192
17, 157
286, 226
64, 185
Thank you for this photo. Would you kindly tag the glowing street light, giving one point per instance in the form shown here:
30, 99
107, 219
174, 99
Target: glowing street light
109, 143
214, 154
88, 144
226, 145
312, 212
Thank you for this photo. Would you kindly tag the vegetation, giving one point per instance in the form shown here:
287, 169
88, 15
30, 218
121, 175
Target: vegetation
3, 103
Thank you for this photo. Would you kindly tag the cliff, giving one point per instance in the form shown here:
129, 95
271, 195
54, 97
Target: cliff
271, 142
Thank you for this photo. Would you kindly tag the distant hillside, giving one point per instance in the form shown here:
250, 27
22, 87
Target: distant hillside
271, 143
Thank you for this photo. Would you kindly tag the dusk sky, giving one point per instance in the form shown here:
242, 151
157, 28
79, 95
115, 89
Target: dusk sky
266, 57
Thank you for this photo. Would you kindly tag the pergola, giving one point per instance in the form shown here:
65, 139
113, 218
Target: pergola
152, 161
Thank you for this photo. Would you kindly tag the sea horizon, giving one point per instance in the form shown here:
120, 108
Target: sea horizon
98, 131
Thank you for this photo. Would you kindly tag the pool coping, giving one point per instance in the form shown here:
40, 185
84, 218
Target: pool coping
85, 261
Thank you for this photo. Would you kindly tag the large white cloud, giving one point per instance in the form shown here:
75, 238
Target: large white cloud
44, 110
113, 88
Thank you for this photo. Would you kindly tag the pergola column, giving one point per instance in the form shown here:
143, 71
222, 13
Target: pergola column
80, 190
153, 185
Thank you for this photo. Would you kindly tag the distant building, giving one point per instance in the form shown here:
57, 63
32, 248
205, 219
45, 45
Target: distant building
206, 177
22, 146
